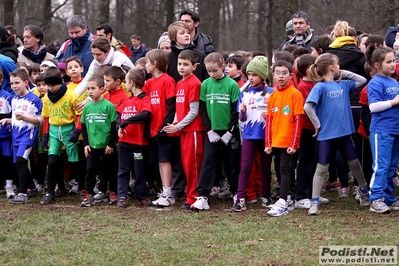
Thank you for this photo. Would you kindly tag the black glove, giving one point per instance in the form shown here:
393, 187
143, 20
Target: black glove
161, 136
45, 141
74, 135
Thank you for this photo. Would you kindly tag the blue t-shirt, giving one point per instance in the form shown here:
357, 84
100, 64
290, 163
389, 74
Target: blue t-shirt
379, 89
24, 133
5, 108
254, 126
333, 108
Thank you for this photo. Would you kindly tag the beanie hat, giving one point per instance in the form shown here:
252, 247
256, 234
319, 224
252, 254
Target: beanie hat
164, 38
3, 34
259, 66
289, 29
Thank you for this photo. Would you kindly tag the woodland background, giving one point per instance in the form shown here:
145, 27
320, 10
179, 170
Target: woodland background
232, 24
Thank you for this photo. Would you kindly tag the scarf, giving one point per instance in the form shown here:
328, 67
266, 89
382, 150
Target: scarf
78, 43
54, 97
341, 41
38, 56
108, 60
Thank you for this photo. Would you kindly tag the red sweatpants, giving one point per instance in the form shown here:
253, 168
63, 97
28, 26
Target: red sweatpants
255, 180
192, 152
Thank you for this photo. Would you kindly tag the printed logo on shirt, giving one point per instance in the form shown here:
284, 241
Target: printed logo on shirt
392, 90
274, 109
180, 96
286, 110
24, 108
335, 94
155, 97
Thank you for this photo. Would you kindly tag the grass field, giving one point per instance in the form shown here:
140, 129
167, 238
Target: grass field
66, 234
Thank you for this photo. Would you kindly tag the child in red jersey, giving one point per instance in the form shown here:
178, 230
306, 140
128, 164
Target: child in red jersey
189, 123
162, 92
133, 116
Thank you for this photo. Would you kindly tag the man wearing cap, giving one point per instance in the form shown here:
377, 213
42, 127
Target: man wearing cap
201, 41
303, 34
34, 50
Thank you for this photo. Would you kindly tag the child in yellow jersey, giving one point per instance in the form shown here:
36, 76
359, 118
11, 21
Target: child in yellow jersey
74, 69
61, 127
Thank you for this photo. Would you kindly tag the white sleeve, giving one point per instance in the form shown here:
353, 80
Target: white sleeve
82, 86
312, 114
380, 106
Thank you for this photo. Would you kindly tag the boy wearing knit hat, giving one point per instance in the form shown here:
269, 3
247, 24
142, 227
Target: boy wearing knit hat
252, 106
61, 127
283, 130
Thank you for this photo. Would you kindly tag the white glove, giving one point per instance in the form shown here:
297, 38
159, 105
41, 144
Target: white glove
213, 136
226, 138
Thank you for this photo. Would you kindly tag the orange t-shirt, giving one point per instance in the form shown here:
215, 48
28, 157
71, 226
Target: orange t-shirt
282, 106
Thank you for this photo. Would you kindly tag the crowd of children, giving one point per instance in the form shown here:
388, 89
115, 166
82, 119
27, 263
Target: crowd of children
121, 130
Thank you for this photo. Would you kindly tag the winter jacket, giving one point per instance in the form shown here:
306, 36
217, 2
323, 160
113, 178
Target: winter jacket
203, 42
137, 53
28, 57
12, 52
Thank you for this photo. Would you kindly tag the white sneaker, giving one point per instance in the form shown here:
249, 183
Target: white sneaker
279, 208
343, 192
164, 200
100, 197
10, 191
214, 192
303, 204
323, 200
290, 203
74, 187
201, 204
314, 208
363, 198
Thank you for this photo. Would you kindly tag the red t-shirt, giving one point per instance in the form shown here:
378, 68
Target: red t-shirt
305, 87
117, 97
188, 91
134, 132
159, 90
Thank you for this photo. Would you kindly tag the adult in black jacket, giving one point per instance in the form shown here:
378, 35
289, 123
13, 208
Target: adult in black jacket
200, 40
7, 44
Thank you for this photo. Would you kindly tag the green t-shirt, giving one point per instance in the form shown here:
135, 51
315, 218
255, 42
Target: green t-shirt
218, 96
97, 118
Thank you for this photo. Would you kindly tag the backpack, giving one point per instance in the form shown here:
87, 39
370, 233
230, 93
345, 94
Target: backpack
390, 35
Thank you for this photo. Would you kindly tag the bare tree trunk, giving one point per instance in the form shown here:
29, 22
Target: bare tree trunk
103, 12
170, 10
8, 12
47, 15
210, 19
120, 18
77, 7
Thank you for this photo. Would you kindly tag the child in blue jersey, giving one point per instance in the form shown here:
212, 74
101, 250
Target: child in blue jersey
383, 96
25, 121
252, 107
5, 141
328, 107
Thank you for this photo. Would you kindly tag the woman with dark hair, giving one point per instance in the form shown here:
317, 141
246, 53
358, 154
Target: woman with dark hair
7, 44
34, 50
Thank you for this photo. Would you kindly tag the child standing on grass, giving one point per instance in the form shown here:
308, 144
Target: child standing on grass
283, 130
25, 121
189, 123
328, 107
252, 107
162, 92
113, 77
74, 70
99, 134
218, 104
61, 128
6, 141
307, 153
132, 123
383, 96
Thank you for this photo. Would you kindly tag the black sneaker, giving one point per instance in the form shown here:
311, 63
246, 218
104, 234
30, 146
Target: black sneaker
47, 199
32, 192
122, 202
266, 202
185, 206
239, 205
